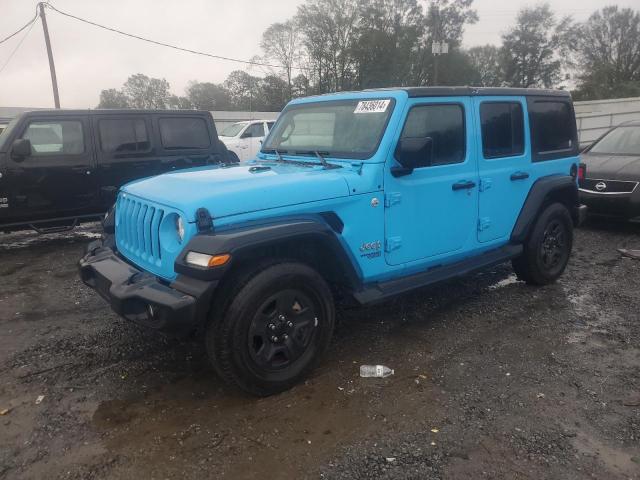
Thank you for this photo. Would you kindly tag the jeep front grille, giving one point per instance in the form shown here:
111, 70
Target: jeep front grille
138, 229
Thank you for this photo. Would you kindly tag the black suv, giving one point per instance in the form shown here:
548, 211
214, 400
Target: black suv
62, 167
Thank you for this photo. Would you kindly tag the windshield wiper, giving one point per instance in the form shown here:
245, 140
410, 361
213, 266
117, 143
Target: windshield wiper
322, 159
277, 152
320, 156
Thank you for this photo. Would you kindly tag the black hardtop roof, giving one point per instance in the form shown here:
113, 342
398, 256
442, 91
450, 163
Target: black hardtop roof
475, 91
114, 111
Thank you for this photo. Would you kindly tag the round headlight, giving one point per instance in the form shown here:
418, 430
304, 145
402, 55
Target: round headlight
180, 228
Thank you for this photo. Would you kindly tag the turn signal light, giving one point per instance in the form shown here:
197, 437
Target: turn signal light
219, 260
206, 261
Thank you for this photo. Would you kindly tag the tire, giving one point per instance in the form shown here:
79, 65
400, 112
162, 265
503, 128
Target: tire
548, 247
277, 325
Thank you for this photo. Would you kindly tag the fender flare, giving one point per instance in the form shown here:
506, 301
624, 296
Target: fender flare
241, 239
563, 186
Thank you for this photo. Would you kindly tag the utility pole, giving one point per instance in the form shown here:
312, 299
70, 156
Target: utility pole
52, 67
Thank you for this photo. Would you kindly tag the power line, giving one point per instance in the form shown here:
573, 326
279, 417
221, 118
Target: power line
33, 22
28, 24
163, 44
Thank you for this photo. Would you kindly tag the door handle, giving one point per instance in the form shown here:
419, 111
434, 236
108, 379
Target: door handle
464, 185
519, 176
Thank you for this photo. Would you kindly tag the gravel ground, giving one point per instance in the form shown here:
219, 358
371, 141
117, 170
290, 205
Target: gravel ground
493, 379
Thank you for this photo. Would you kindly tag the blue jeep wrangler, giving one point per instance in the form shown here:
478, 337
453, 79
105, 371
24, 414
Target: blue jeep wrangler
354, 196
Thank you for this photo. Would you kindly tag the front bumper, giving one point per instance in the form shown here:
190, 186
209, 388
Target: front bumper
626, 205
178, 308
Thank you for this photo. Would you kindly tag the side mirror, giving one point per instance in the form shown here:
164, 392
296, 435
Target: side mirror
21, 149
411, 153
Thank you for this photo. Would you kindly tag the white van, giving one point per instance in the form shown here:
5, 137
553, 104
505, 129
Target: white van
245, 138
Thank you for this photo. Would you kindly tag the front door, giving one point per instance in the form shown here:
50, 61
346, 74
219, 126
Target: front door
58, 178
504, 164
433, 211
254, 135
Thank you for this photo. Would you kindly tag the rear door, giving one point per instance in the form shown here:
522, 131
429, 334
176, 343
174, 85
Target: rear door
58, 178
185, 141
433, 211
504, 164
124, 152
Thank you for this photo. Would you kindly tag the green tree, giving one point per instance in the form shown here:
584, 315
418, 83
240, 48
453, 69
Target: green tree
608, 54
444, 21
243, 90
208, 96
145, 92
487, 70
388, 37
112, 98
329, 33
175, 102
531, 53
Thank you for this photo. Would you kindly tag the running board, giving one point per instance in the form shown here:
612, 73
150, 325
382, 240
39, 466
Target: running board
379, 291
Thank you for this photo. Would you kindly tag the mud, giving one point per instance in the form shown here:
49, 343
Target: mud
493, 379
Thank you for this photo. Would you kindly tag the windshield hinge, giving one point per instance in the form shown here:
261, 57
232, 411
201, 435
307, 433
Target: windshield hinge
357, 167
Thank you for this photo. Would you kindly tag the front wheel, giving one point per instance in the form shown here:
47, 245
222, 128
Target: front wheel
278, 324
548, 248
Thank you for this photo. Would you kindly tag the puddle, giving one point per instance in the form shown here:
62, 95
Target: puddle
26, 239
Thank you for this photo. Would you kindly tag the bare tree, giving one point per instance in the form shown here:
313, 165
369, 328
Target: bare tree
281, 42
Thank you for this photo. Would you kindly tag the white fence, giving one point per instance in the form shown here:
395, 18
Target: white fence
596, 117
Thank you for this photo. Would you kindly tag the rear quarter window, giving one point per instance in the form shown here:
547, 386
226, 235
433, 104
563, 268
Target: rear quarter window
183, 133
553, 129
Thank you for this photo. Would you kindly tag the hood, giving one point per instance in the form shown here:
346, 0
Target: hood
240, 189
612, 167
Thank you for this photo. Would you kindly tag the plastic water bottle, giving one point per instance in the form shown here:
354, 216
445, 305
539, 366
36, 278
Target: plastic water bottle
377, 371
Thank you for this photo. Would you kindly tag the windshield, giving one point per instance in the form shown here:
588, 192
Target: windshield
233, 129
6, 134
621, 141
347, 129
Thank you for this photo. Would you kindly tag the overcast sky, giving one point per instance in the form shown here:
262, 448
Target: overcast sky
89, 59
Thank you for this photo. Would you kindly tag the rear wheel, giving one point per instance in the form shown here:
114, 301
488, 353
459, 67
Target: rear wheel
276, 327
548, 248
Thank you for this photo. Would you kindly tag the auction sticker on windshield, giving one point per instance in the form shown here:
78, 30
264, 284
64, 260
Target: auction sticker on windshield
372, 106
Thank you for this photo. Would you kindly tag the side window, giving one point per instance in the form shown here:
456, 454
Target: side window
184, 133
553, 132
254, 130
444, 124
270, 125
55, 137
502, 125
124, 135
